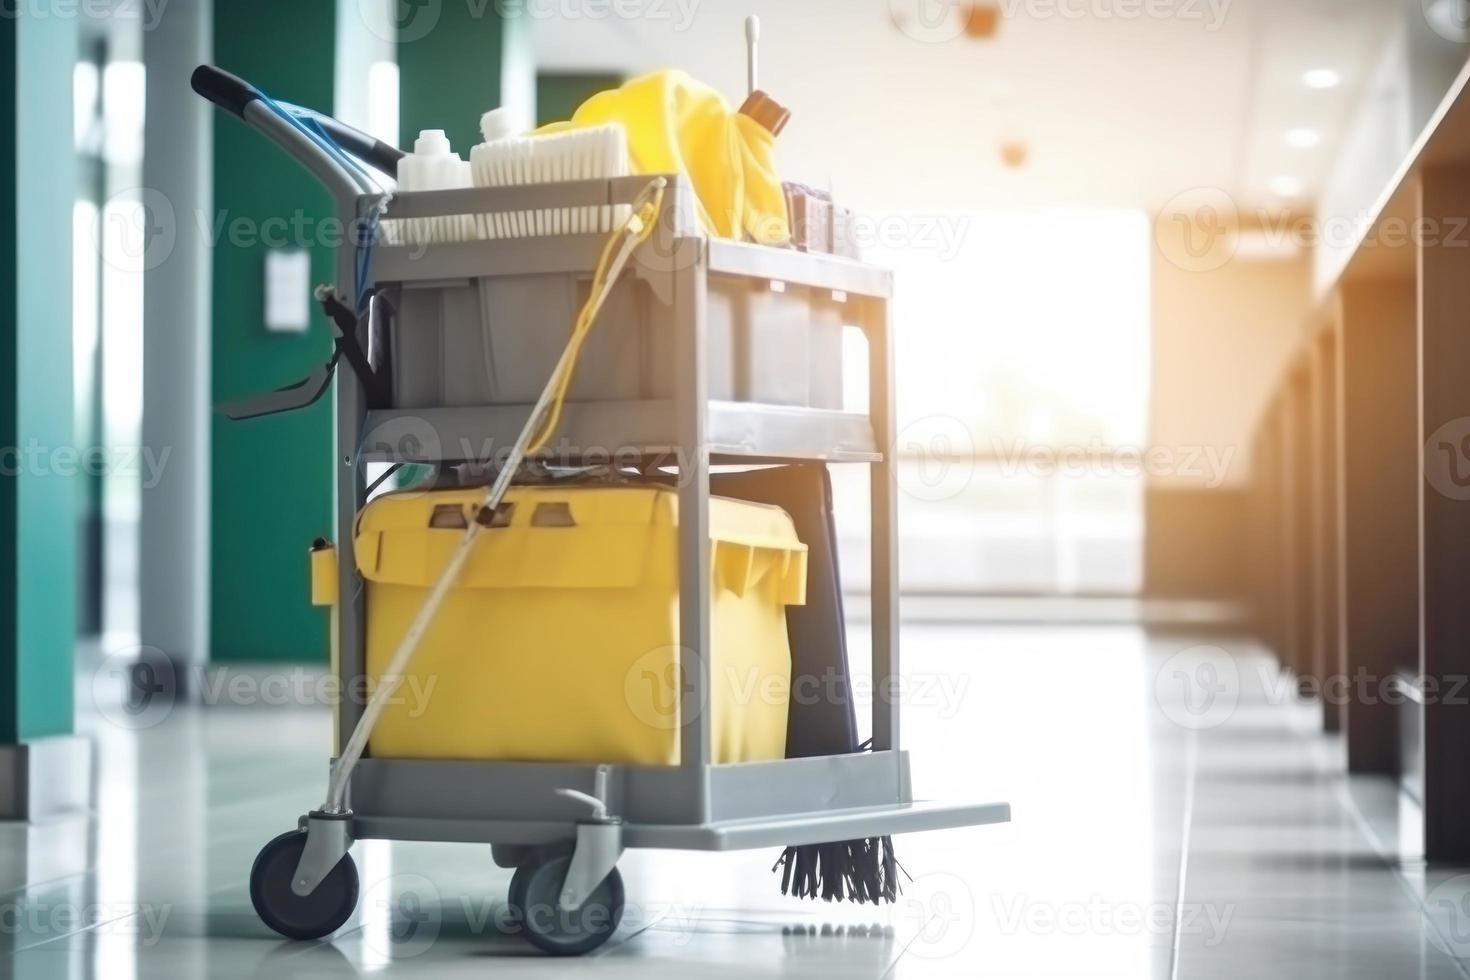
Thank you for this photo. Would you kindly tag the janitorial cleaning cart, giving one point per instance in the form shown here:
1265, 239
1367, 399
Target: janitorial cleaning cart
589, 637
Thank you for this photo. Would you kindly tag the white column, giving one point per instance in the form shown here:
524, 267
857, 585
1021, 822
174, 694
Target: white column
178, 173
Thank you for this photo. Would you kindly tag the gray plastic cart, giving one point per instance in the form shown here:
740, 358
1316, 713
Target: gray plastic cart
735, 348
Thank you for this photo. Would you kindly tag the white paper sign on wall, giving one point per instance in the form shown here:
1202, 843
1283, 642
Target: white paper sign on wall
287, 290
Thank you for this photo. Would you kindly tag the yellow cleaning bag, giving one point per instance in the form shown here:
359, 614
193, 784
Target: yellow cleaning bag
560, 641
676, 124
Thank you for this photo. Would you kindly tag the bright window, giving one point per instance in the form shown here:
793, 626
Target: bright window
1022, 346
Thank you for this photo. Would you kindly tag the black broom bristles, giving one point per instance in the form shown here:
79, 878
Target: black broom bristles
862, 870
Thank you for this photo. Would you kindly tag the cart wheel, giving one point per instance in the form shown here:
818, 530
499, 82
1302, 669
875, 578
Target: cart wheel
535, 895
534, 857
312, 917
515, 899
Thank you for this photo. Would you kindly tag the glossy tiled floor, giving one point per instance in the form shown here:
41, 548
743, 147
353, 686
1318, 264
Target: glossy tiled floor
1175, 815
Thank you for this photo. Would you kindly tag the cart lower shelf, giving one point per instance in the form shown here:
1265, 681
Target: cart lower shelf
721, 835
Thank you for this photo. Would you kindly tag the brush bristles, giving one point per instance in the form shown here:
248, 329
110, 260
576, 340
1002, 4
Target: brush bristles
599, 152
596, 153
862, 871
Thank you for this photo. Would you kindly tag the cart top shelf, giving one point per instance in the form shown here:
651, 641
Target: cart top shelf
579, 253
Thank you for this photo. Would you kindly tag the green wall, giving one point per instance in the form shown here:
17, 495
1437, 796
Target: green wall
271, 479
472, 60
559, 94
37, 498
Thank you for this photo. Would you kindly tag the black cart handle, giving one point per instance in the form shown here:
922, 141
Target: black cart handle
233, 94
230, 92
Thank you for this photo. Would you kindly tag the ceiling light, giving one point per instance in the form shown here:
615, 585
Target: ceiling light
1286, 186
1253, 245
1303, 139
1321, 78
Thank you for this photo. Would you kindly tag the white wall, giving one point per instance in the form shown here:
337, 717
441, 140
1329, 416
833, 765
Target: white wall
1412, 76
360, 45
173, 614
1221, 339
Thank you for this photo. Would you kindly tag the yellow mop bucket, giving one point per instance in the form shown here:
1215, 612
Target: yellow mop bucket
560, 641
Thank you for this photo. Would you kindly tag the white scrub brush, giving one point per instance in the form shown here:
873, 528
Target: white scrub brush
506, 160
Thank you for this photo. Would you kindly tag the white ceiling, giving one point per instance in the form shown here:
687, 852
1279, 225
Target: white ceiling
1117, 109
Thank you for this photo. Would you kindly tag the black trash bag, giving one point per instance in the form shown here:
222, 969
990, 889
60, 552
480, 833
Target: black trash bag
862, 870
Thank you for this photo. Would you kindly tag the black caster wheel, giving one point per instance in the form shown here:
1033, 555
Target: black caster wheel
515, 899
534, 858
535, 900
318, 914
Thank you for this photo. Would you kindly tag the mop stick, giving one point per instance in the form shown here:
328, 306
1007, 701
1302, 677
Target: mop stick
534, 435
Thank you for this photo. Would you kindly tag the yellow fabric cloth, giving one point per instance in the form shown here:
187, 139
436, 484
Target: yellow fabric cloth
676, 124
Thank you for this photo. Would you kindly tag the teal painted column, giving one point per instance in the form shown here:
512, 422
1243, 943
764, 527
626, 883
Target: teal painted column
456, 60
37, 510
40, 769
271, 479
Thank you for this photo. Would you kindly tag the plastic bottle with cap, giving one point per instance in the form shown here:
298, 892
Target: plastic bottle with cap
434, 166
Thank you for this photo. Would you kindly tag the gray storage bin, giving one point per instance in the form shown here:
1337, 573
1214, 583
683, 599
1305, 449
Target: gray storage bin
784, 346
493, 340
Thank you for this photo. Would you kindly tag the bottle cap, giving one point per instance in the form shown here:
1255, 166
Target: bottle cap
767, 111
497, 124
431, 143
